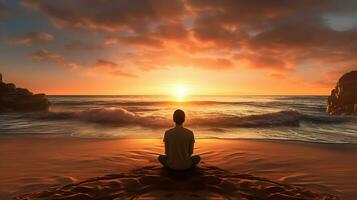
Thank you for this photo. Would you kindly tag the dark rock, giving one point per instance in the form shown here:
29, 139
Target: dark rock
20, 99
23, 92
343, 98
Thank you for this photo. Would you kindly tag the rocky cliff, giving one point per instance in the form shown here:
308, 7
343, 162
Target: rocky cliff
20, 99
343, 98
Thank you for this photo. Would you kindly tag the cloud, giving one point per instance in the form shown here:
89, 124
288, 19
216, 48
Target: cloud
4, 10
34, 38
112, 68
258, 61
44, 55
138, 41
111, 15
105, 64
78, 45
155, 39
151, 59
73, 66
122, 73
277, 76
56, 58
258, 14
172, 31
212, 63
299, 40
207, 29
276, 37
296, 33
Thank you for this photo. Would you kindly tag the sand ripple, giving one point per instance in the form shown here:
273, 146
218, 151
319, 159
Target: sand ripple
153, 182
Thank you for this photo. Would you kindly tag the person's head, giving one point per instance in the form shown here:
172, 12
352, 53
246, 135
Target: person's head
179, 117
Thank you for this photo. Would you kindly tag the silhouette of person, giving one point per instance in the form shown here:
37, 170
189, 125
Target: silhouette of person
179, 144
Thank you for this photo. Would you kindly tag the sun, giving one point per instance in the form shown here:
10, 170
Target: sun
180, 92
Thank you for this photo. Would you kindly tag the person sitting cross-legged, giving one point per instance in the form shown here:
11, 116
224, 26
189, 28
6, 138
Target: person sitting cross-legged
179, 144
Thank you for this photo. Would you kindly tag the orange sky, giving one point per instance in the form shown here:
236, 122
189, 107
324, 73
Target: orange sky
154, 46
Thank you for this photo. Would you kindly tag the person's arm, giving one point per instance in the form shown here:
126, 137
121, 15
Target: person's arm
166, 146
192, 143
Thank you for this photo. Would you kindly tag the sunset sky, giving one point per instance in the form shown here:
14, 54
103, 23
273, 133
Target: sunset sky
154, 46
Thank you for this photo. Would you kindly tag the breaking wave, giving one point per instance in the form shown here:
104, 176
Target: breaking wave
123, 117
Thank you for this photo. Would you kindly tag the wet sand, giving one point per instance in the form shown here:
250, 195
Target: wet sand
36, 164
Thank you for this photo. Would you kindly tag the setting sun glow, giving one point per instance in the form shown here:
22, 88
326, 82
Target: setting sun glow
180, 91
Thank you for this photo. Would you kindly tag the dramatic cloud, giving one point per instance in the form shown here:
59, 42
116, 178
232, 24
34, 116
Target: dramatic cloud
261, 62
139, 41
44, 55
276, 36
111, 15
156, 38
266, 32
105, 64
209, 63
112, 68
77, 45
34, 38
259, 13
56, 58
4, 10
172, 31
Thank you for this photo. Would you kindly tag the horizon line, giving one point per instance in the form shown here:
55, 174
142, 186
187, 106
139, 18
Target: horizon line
187, 95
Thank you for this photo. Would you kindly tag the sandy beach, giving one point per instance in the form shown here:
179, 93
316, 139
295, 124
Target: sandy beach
34, 164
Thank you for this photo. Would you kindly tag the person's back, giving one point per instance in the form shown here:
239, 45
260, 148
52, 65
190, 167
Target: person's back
179, 143
179, 147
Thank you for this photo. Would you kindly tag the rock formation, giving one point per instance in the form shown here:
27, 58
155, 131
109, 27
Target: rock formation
343, 98
20, 99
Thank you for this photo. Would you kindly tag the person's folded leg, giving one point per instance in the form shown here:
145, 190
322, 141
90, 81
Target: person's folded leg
163, 160
195, 160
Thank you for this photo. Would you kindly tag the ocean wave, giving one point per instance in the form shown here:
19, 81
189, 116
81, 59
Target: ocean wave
152, 105
324, 119
53, 115
106, 116
123, 117
281, 118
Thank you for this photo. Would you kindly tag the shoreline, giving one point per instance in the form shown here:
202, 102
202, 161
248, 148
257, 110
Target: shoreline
61, 136
330, 168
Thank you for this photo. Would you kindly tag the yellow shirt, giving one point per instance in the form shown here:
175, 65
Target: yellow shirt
179, 147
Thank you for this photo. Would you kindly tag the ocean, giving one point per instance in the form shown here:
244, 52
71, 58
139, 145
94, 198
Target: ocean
300, 118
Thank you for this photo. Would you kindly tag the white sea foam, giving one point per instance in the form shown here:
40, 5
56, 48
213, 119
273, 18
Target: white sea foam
121, 116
